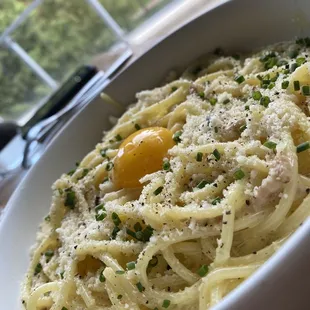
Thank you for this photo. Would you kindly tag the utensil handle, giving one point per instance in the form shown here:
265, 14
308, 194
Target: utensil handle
61, 97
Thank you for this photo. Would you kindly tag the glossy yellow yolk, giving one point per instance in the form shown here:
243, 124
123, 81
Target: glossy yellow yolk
140, 154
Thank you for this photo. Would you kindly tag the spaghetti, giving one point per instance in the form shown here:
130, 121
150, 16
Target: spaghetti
193, 189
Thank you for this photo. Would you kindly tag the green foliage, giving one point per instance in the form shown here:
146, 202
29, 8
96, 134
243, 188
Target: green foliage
59, 35
9, 10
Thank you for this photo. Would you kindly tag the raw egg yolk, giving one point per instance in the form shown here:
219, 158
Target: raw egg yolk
140, 154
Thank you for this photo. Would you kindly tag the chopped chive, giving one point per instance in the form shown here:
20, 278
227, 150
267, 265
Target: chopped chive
37, 269
271, 85
293, 67
115, 218
273, 79
101, 216
84, 173
216, 154
101, 276
118, 137
303, 41
242, 128
201, 95
176, 136
256, 95
226, 101
216, 130
119, 296
71, 172
199, 156
99, 208
239, 174
103, 152
213, 101
300, 61
119, 271
137, 227
173, 88
296, 85
166, 303
131, 233
64, 308
285, 84
109, 166
70, 198
302, 147
146, 233
271, 62
131, 265
305, 90
137, 126
139, 235
62, 274
266, 56
202, 184
264, 101
115, 232
271, 145
158, 190
216, 201
153, 262
306, 41
166, 165
47, 218
247, 108
203, 270
49, 253
140, 287
266, 79
240, 79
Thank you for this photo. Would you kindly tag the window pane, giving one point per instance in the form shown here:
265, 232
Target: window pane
130, 14
61, 35
20, 89
9, 11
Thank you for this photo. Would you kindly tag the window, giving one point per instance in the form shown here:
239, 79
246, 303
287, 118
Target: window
44, 41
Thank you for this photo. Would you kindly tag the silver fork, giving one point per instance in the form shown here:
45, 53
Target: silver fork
41, 131
40, 134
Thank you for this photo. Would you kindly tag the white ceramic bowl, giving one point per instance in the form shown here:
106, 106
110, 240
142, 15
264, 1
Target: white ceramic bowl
240, 25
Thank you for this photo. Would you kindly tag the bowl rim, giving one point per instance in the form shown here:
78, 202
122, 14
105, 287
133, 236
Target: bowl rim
270, 268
